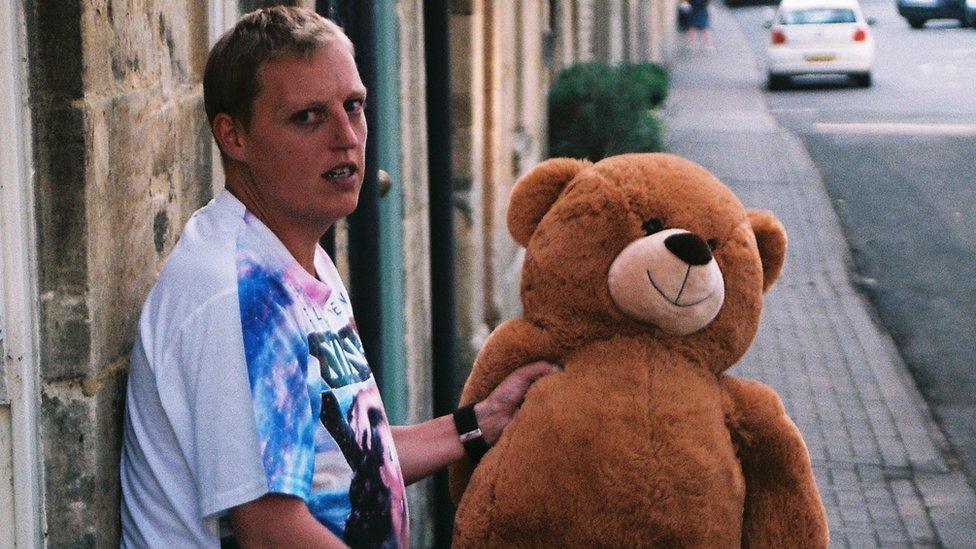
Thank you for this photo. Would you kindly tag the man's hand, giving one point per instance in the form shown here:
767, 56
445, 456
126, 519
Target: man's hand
495, 412
427, 447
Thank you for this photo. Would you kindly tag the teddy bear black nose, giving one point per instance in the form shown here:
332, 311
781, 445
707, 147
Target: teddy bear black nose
689, 248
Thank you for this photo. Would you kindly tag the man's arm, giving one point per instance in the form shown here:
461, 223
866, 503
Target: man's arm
427, 447
276, 520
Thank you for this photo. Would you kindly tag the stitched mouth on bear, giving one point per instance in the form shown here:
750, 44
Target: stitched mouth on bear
680, 291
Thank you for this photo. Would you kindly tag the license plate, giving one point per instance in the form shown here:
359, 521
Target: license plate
821, 58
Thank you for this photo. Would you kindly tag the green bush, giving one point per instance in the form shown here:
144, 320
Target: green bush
596, 110
650, 81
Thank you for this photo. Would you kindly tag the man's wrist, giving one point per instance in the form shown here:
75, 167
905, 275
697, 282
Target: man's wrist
491, 420
469, 431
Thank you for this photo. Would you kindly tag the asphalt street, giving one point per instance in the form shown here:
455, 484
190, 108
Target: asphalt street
899, 163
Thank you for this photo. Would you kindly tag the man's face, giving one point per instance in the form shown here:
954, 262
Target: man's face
305, 147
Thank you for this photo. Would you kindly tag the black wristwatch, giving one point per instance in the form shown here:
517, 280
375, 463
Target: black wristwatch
466, 424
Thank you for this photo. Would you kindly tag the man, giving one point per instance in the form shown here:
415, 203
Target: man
249, 396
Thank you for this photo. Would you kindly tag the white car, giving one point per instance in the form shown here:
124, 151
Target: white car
819, 37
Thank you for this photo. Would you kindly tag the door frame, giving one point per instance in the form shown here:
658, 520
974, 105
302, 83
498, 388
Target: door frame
18, 278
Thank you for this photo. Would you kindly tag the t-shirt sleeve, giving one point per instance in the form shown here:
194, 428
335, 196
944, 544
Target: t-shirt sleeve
276, 353
246, 366
223, 439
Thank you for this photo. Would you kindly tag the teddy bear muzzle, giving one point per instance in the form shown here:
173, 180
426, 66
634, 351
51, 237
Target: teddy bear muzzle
668, 279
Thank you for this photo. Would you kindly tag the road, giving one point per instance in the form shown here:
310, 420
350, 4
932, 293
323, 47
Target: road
899, 163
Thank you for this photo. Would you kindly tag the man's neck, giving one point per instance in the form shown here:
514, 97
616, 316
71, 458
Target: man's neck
300, 243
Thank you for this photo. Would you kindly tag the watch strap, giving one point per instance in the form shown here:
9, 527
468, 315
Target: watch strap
466, 423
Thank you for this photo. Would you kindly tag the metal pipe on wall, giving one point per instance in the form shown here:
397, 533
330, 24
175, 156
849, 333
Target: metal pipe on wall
442, 245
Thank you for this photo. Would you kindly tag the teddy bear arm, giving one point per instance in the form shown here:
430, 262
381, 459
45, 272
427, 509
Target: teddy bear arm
782, 504
513, 344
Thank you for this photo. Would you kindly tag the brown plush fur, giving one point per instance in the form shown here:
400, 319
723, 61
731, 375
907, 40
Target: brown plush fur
642, 440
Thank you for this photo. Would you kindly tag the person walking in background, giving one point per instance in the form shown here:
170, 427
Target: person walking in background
684, 13
698, 24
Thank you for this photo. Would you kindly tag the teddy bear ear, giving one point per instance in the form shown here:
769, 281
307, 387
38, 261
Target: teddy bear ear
771, 239
536, 191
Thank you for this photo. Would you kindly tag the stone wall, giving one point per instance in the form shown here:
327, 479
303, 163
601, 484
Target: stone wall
416, 246
467, 103
122, 157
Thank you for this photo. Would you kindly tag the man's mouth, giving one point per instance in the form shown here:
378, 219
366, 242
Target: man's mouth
340, 172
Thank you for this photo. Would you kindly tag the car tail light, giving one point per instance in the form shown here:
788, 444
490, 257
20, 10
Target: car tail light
860, 35
777, 37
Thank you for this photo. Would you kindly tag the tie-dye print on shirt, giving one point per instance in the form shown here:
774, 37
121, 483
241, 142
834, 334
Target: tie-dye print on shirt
321, 423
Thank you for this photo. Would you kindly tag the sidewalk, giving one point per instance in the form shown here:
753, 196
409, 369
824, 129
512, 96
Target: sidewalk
881, 463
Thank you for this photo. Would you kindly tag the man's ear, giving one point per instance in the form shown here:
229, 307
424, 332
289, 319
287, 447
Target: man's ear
771, 239
535, 192
228, 133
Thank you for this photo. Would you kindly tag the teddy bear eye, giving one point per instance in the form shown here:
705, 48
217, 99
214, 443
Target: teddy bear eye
652, 226
713, 244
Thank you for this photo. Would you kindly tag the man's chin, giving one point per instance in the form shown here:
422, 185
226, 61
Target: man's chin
328, 216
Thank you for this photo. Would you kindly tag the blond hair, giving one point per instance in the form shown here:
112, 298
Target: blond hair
230, 80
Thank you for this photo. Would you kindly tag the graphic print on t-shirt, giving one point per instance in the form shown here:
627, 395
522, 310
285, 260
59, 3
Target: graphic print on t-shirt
361, 431
340, 356
320, 420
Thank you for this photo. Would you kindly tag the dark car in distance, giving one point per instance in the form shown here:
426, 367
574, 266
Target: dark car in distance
917, 12
969, 12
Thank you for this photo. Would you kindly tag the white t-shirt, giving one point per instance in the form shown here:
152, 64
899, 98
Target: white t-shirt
248, 377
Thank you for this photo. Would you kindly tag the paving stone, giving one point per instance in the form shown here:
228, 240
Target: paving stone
862, 540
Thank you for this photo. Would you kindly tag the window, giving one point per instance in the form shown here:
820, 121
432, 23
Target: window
818, 16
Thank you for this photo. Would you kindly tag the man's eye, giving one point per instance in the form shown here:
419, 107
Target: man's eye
652, 226
355, 105
309, 116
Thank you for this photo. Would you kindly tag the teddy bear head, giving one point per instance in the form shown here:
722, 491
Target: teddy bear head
646, 245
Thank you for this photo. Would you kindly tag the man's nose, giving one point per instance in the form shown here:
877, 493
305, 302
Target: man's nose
344, 134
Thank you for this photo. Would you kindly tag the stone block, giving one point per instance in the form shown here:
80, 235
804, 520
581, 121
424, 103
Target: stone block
137, 45
251, 5
65, 336
122, 205
157, 173
461, 156
461, 36
70, 477
195, 147
109, 403
461, 7
461, 110
81, 438
59, 157
55, 45
198, 42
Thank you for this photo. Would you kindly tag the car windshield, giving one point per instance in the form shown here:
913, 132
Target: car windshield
817, 16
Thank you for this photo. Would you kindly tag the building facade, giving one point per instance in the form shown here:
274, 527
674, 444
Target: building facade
107, 153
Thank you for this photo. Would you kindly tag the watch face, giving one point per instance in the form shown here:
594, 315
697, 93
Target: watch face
470, 435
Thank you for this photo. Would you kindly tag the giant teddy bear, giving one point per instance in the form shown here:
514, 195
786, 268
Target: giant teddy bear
644, 277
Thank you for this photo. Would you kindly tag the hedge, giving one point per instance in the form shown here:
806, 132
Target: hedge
597, 110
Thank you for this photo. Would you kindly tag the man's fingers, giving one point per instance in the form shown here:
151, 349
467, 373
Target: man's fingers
535, 370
